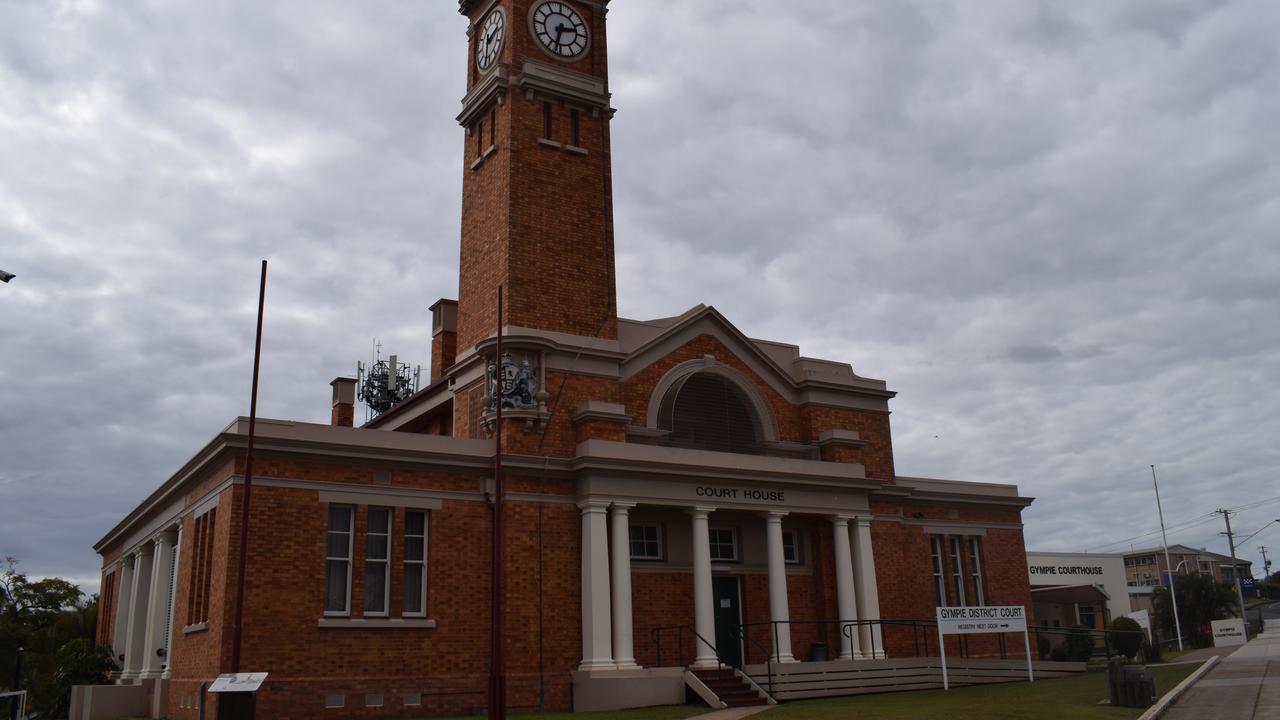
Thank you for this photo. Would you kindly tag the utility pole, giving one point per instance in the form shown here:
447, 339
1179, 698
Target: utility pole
1173, 585
1235, 567
1266, 564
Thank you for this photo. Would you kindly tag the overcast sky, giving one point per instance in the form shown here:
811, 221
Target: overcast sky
1051, 227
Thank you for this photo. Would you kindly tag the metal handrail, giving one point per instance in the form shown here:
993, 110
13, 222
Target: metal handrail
768, 656
926, 628
847, 628
657, 640
1106, 635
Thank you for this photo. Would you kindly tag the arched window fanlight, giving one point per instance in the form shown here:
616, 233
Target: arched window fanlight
708, 411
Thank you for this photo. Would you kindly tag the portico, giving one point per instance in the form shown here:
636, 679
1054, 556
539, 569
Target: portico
144, 609
723, 535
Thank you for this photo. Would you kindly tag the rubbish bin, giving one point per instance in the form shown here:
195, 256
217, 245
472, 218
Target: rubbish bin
818, 652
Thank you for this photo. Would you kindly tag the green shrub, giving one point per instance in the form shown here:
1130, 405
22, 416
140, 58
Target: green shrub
1079, 644
1043, 646
1125, 636
1058, 654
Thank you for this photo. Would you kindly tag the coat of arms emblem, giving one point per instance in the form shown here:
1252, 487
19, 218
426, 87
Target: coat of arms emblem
515, 386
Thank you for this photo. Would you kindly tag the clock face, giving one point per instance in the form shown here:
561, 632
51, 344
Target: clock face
489, 44
560, 29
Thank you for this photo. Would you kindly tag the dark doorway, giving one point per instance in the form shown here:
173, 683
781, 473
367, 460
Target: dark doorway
728, 606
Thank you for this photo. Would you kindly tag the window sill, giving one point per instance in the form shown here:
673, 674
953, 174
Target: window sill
548, 143
484, 156
198, 627
575, 149
377, 623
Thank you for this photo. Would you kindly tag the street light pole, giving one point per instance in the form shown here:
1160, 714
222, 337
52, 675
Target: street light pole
1173, 586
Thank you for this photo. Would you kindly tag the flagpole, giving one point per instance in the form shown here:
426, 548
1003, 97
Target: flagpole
1173, 592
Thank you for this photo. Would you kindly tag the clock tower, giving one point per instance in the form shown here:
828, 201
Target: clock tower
537, 209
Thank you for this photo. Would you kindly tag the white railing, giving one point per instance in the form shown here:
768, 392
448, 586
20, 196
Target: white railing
19, 697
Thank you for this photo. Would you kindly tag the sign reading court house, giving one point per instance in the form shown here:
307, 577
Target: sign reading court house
983, 619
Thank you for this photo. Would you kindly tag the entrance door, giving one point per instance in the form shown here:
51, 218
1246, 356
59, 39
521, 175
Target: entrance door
728, 607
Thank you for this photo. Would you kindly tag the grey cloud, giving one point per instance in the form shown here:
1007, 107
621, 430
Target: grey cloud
936, 192
1033, 353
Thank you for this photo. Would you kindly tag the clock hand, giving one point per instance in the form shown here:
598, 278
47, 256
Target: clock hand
561, 29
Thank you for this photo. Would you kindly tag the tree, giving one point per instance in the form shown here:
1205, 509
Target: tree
54, 624
1125, 636
1200, 601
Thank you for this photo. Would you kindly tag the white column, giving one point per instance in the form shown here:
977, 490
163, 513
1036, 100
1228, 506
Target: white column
173, 600
779, 612
597, 650
620, 566
120, 633
157, 606
704, 617
846, 605
868, 594
135, 643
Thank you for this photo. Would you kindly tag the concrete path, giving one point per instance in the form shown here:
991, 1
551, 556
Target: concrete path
1244, 686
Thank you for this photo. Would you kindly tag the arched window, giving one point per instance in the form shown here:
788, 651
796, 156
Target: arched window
709, 411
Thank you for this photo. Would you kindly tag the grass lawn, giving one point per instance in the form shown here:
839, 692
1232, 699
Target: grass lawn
671, 712
1071, 698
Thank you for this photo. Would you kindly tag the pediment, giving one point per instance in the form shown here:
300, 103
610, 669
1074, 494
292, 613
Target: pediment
780, 365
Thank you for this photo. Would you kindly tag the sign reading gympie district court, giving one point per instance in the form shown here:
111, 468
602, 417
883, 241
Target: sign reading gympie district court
983, 619
986, 619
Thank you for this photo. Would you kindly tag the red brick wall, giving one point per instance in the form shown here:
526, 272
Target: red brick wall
905, 577
449, 664
535, 219
444, 351
199, 657
872, 427
110, 590
639, 387
801, 424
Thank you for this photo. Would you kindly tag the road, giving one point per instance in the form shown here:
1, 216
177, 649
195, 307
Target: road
1269, 612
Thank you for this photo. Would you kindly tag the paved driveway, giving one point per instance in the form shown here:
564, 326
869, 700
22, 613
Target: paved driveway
1244, 686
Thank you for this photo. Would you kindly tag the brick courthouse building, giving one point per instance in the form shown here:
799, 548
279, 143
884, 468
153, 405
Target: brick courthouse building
668, 472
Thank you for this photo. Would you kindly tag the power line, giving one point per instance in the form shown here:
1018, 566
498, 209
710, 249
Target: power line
1207, 517
1256, 503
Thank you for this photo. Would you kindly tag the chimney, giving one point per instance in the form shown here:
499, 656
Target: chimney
344, 402
444, 337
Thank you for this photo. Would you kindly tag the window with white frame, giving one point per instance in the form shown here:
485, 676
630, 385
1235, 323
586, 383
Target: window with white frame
377, 558
975, 570
337, 566
724, 543
791, 547
646, 542
939, 583
415, 564
957, 571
